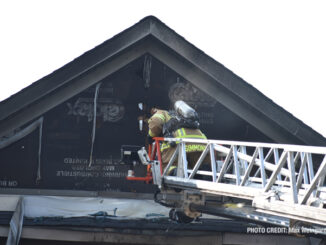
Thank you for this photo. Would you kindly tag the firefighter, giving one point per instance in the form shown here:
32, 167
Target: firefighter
159, 122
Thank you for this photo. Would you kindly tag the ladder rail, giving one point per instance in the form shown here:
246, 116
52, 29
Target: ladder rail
287, 147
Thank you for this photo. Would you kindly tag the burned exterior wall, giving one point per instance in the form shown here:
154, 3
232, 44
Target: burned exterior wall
66, 154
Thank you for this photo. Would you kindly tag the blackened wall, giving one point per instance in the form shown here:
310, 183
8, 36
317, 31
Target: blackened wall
66, 160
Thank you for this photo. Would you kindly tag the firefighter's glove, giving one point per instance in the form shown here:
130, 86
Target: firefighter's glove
173, 143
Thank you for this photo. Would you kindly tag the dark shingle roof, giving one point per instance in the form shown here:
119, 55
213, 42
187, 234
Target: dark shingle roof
152, 36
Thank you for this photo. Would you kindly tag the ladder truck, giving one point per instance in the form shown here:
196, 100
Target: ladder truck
270, 184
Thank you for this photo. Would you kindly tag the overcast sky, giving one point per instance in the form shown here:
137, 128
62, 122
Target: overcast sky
277, 46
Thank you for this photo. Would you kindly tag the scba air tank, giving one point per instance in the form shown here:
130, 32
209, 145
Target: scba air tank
185, 110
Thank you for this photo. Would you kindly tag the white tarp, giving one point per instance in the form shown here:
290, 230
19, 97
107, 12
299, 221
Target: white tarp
45, 206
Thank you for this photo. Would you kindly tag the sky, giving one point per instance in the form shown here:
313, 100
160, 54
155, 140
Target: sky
278, 46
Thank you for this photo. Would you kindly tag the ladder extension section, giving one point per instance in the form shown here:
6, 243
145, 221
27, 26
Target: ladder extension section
282, 180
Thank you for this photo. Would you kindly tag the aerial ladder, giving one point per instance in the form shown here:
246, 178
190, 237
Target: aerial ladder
273, 184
